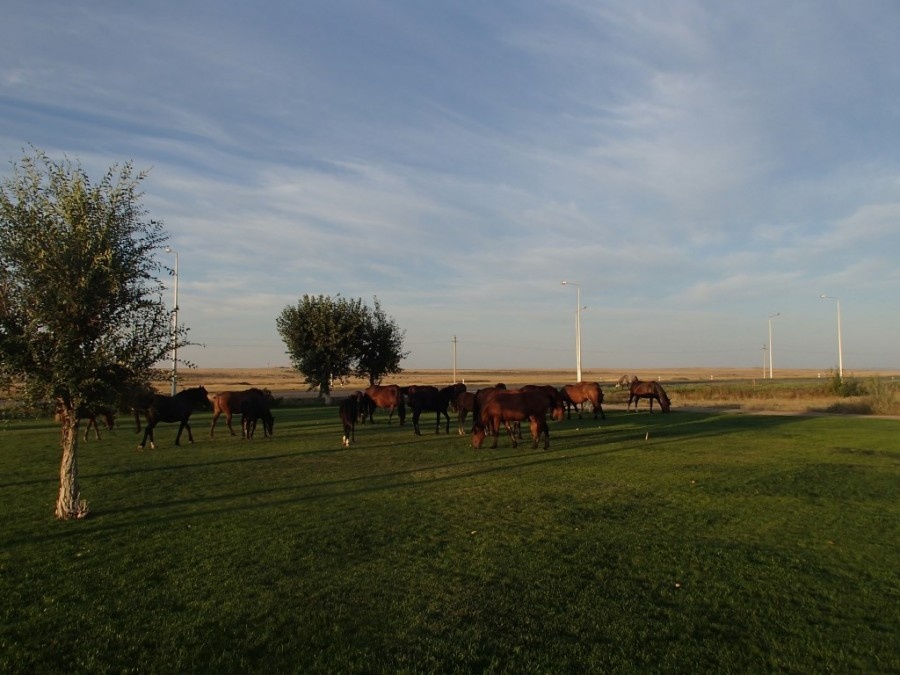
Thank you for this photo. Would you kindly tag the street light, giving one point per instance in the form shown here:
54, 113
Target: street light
169, 249
577, 328
770, 342
840, 348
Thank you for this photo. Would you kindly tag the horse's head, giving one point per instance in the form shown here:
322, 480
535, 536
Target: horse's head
478, 434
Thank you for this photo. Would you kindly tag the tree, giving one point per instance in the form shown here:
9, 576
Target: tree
380, 346
321, 336
82, 318
336, 338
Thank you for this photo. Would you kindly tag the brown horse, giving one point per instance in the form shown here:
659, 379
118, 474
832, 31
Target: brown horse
577, 394
230, 402
90, 414
623, 382
649, 390
177, 408
509, 406
462, 406
387, 396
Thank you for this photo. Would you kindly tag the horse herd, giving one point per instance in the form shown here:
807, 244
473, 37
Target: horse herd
490, 408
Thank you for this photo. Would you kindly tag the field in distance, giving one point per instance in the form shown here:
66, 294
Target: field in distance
289, 382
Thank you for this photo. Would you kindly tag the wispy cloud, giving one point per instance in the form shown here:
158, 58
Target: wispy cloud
689, 165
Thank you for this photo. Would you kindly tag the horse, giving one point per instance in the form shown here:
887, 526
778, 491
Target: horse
650, 390
365, 406
579, 393
177, 408
229, 402
348, 411
90, 413
462, 406
387, 396
624, 381
432, 398
252, 410
499, 406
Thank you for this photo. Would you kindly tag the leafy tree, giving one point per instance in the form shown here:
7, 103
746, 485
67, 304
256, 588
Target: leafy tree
380, 346
81, 313
334, 338
321, 336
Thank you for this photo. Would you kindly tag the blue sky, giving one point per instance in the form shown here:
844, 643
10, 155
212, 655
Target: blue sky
694, 166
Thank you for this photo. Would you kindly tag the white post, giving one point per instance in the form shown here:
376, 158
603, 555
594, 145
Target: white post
577, 328
840, 346
770, 342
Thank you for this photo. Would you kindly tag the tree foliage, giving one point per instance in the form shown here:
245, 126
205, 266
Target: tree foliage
329, 338
81, 312
380, 346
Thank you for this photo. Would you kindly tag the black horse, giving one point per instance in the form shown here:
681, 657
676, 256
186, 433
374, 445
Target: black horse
177, 408
434, 399
252, 410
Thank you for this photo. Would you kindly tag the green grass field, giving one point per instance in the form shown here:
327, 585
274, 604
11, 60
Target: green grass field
689, 542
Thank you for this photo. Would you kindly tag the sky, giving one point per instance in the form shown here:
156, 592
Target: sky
692, 168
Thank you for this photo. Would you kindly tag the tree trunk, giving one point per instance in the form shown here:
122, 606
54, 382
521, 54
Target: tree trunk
69, 504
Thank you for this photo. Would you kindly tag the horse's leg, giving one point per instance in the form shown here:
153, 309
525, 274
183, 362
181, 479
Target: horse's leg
228, 416
495, 431
546, 429
535, 432
215, 418
188, 427
447, 423
416, 413
148, 434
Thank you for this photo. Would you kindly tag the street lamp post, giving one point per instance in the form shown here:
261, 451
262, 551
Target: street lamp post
577, 328
770, 342
840, 348
169, 249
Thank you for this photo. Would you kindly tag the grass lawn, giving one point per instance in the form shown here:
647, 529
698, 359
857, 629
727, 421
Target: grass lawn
689, 542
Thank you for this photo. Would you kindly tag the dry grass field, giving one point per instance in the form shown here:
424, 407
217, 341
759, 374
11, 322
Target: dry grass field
687, 387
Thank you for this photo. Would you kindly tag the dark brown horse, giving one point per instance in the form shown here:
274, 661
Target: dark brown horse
649, 390
254, 409
462, 406
508, 406
230, 402
578, 394
177, 408
387, 396
425, 398
348, 411
91, 413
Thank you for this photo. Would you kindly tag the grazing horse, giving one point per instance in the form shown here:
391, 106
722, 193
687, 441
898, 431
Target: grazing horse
348, 411
650, 390
432, 398
508, 406
90, 413
230, 402
387, 396
252, 410
624, 381
462, 406
177, 408
577, 394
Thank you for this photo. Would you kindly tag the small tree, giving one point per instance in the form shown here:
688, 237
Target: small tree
81, 311
380, 346
321, 336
